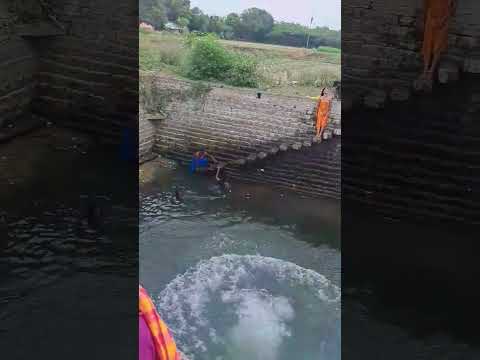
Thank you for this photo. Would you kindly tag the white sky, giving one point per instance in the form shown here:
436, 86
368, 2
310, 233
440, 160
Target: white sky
325, 12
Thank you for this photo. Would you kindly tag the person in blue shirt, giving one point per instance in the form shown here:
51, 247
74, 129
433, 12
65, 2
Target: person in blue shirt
202, 162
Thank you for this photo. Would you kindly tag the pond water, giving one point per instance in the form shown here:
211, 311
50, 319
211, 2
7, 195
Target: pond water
53, 255
251, 274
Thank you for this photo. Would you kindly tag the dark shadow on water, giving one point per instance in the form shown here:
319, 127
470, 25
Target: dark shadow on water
64, 214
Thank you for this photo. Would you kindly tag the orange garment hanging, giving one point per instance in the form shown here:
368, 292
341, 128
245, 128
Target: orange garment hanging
323, 112
437, 16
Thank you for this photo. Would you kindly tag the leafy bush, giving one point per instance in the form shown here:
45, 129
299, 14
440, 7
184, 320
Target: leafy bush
243, 71
209, 60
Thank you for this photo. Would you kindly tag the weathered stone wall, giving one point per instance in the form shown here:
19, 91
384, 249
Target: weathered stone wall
381, 42
88, 77
233, 123
409, 156
273, 133
83, 73
417, 159
313, 171
18, 64
146, 129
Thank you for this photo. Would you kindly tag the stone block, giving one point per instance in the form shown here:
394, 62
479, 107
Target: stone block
400, 94
375, 99
262, 155
327, 134
274, 150
251, 158
297, 146
447, 72
406, 21
466, 42
472, 65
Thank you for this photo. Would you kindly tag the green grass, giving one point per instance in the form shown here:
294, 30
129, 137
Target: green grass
282, 69
160, 51
328, 49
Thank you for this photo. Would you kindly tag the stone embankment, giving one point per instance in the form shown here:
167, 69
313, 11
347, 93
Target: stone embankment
409, 153
419, 159
71, 63
381, 42
260, 137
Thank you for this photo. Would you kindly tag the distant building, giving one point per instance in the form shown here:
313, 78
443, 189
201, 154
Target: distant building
172, 27
146, 26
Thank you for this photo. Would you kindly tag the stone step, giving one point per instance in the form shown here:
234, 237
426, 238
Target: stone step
448, 71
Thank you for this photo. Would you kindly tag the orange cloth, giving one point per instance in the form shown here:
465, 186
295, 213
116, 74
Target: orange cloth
164, 345
323, 112
437, 16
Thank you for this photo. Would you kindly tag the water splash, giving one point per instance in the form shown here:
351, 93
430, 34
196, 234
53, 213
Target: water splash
253, 307
262, 324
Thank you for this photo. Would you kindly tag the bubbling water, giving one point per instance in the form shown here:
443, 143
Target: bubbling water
253, 307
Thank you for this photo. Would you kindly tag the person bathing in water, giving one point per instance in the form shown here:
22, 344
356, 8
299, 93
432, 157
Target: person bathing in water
155, 340
437, 16
202, 162
205, 163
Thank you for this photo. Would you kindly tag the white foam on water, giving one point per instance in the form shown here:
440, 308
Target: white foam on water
241, 307
261, 327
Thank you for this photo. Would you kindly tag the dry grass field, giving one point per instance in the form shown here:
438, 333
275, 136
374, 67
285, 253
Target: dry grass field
282, 69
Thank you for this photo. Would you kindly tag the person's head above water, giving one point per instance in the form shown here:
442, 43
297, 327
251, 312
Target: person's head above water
201, 150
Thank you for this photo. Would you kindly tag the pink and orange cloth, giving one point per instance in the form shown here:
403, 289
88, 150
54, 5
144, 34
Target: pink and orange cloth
155, 340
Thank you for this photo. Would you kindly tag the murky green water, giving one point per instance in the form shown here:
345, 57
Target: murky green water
252, 274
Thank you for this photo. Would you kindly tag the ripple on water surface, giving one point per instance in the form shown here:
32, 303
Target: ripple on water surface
253, 307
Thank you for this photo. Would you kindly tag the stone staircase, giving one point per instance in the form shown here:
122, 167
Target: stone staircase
246, 132
333, 129
313, 171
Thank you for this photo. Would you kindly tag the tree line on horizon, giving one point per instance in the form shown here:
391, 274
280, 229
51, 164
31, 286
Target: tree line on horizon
251, 25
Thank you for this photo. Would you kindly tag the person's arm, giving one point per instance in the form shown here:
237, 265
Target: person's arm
212, 157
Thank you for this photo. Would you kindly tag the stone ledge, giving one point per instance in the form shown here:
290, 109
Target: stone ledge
38, 29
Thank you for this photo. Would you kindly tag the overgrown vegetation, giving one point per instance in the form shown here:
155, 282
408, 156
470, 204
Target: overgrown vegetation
251, 25
289, 34
154, 99
207, 59
278, 69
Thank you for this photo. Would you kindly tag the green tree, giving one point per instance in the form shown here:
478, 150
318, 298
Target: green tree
256, 23
177, 9
234, 23
183, 22
284, 33
198, 20
217, 25
207, 59
153, 12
